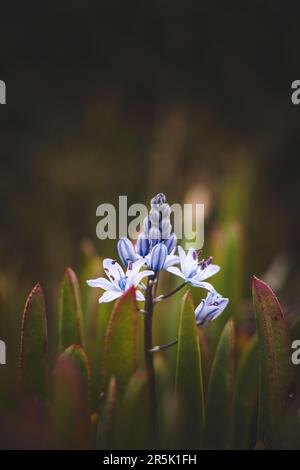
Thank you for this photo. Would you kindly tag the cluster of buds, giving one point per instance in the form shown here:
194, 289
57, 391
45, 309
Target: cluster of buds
157, 242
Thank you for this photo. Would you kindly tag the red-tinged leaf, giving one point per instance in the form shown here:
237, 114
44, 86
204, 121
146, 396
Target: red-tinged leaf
218, 429
274, 362
71, 420
34, 344
70, 314
120, 342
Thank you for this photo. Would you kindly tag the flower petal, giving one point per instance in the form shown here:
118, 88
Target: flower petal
158, 257
126, 250
171, 260
207, 272
101, 282
110, 295
176, 271
138, 277
135, 267
142, 245
205, 285
182, 256
113, 270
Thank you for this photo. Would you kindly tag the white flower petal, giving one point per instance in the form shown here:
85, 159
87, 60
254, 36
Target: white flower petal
176, 271
171, 260
141, 276
182, 257
191, 259
207, 272
101, 282
205, 285
110, 295
135, 267
113, 270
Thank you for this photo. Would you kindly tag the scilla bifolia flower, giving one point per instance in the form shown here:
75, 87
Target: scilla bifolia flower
192, 271
210, 308
154, 252
119, 282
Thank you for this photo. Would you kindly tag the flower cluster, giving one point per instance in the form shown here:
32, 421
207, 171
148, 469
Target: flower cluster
155, 251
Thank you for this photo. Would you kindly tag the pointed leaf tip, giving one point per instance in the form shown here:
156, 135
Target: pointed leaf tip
34, 345
70, 313
276, 373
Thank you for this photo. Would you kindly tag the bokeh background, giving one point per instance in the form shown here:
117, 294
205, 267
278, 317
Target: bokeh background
107, 98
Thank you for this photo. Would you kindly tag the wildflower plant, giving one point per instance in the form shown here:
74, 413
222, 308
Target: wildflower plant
155, 251
212, 379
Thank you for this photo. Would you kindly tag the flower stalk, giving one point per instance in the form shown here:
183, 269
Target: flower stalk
149, 363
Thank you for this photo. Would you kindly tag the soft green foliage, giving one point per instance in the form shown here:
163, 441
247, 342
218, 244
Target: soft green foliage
188, 382
232, 394
217, 430
106, 422
274, 361
70, 314
227, 247
34, 344
245, 397
120, 342
70, 396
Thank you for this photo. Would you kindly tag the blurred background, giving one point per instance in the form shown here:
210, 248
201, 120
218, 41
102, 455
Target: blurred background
108, 98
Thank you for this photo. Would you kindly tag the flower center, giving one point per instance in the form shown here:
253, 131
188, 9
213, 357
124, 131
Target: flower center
122, 283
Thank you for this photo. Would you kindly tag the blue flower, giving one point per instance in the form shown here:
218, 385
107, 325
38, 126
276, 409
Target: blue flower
119, 282
157, 257
142, 245
210, 308
159, 199
171, 243
193, 272
126, 251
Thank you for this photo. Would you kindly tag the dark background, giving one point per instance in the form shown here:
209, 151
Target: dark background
110, 98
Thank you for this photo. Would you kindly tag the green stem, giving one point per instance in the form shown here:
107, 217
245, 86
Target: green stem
163, 297
149, 364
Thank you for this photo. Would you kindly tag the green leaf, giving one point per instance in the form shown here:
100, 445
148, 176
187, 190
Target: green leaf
34, 345
274, 361
120, 342
106, 422
188, 384
70, 315
245, 397
227, 250
98, 322
70, 420
217, 431
135, 426
92, 269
